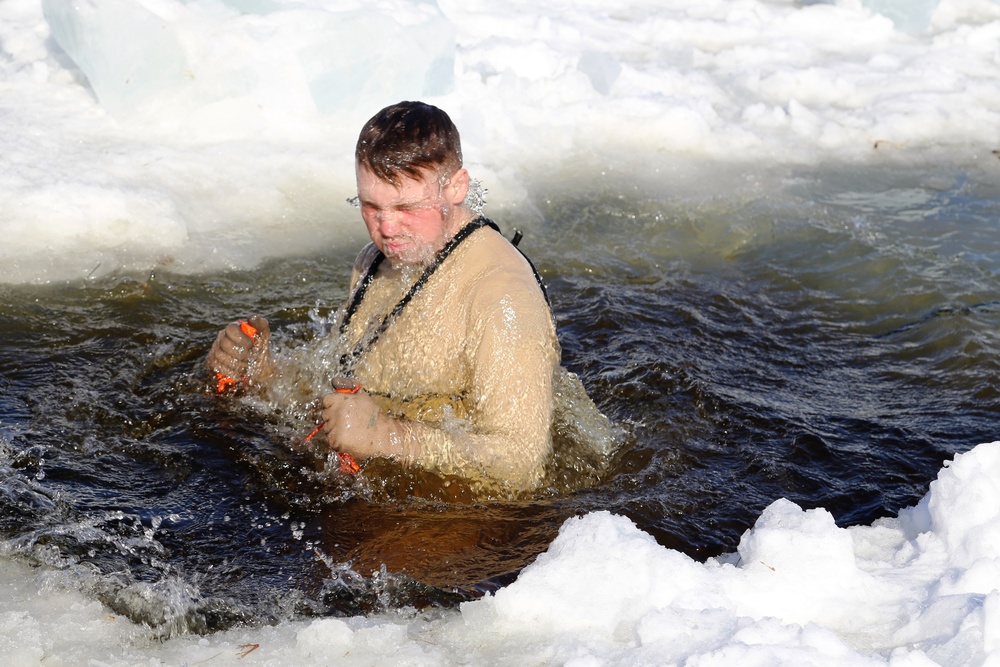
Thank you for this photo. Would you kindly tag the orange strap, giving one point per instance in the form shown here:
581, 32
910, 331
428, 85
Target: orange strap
225, 383
348, 464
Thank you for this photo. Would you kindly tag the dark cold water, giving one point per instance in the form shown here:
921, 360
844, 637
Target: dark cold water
824, 336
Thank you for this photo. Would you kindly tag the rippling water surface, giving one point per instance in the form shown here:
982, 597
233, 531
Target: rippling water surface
825, 336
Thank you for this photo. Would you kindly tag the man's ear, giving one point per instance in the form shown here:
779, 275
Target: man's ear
458, 187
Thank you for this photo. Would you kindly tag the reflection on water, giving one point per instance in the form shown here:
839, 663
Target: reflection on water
830, 341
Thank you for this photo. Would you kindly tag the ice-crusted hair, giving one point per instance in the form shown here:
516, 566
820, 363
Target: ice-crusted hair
407, 138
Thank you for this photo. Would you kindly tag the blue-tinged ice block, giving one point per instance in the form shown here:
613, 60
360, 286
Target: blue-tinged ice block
601, 68
170, 59
128, 53
909, 16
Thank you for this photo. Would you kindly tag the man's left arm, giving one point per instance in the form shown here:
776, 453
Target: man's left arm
512, 354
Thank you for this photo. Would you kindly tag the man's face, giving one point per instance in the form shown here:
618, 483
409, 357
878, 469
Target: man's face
413, 221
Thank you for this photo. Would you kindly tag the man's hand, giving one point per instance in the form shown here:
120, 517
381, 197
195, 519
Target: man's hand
237, 355
353, 423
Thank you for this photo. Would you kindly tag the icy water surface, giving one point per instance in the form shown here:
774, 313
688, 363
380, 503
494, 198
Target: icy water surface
824, 336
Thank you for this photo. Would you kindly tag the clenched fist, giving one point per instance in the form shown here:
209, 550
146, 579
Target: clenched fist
241, 353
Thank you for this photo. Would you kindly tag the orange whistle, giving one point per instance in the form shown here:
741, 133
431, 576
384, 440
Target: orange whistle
248, 329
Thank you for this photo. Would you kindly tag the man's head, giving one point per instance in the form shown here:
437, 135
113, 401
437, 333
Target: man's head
409, 139
411, 184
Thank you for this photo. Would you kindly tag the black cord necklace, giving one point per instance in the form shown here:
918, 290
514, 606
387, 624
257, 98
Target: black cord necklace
348, 360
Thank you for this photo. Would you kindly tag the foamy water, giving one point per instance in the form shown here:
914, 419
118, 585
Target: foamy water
219, 134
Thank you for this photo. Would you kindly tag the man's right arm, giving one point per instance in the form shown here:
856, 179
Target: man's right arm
247, 360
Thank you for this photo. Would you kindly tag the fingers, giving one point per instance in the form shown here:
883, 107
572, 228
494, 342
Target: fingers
221, 358
261, 325
233, 348
231, 351
339, 416
239, 340
352, 424
331, 418
333, 402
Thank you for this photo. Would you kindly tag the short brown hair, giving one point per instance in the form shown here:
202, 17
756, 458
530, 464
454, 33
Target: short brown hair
406, 138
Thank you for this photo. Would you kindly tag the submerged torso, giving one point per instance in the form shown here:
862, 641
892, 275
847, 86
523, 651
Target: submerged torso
472, 354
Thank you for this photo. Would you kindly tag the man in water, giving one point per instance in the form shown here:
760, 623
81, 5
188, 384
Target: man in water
447, 328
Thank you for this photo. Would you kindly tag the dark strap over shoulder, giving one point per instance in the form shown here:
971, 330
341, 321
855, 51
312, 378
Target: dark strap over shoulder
514, 241
350, 358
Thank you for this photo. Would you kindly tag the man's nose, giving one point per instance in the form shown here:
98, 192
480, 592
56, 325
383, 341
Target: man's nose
388, 222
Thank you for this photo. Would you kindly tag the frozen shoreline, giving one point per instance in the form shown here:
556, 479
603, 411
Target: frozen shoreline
920, 589
238, 143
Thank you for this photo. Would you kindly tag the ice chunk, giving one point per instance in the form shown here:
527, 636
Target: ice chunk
601, 68
259, 56
964, 509
369, 55
909, 16
123, 73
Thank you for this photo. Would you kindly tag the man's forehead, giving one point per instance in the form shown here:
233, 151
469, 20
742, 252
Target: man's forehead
406, 188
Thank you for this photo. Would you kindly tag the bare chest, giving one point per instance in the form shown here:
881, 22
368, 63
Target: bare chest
413, 351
